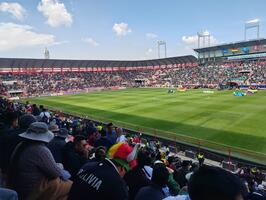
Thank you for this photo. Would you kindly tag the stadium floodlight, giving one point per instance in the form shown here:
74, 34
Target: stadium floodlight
46, 53
251, 24
163, 44
203, 36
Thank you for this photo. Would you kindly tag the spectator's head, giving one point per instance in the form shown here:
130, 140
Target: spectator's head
119, 131
41, 107
54, 128
63, 133
26, 120
11, 119
38, 132
80, 143
100, 153
110, 127
123, 156
209, 183
34, 106
143, 158
160, 175
186, 164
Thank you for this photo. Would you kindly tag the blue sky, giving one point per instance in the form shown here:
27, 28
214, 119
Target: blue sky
120, 29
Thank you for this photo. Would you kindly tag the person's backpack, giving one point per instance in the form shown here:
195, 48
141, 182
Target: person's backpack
45, 118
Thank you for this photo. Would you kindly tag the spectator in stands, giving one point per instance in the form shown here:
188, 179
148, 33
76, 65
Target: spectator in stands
99, 155
7, 194
45, 115
106, 175
102, 141
260, 193
136, 178
111, 133
75, 154
34, 172
120, 135
159, 180
35, 110
11, 138
209, 183
180, 174
57, 144
11, 120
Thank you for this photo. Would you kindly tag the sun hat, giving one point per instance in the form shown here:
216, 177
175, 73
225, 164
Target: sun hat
63, 133
124, 155
53, 128
38, 131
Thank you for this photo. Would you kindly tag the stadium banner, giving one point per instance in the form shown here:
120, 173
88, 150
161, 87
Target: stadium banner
64, 69
247, 56
56, 69
74, 69
234, 50
82, 69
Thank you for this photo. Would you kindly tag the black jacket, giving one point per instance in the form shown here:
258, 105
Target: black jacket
56, 147
98, 181
72, 160
135, 180
152, 191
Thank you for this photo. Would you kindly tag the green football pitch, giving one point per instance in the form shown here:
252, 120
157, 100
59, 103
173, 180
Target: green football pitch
219, 121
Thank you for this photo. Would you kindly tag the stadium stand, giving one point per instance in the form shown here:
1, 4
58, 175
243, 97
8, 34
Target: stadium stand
28, 81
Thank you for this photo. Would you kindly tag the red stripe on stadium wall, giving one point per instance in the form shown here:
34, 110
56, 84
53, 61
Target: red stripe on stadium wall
32, 70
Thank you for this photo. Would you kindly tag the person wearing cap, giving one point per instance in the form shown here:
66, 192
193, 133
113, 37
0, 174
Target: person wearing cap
34, 172
58, 143
154, 191
103, 180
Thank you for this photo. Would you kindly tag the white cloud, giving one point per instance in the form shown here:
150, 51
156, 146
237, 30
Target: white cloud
90, 41
193, 39
149, 51
55, 12
253, 21
15, 35
15, 9
190, 39
151, 35
121, 29
58, 43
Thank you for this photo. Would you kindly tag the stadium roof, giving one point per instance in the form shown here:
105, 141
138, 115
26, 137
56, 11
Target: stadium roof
46, 63
247, 43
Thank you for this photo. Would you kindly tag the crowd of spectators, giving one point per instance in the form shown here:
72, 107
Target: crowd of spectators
201, 76
47, 155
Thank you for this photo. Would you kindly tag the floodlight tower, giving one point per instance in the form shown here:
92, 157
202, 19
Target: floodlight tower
46, 54
204, 39
252, 24
163, 44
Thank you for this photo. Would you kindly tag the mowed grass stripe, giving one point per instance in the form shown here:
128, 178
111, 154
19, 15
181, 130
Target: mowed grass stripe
218, 117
